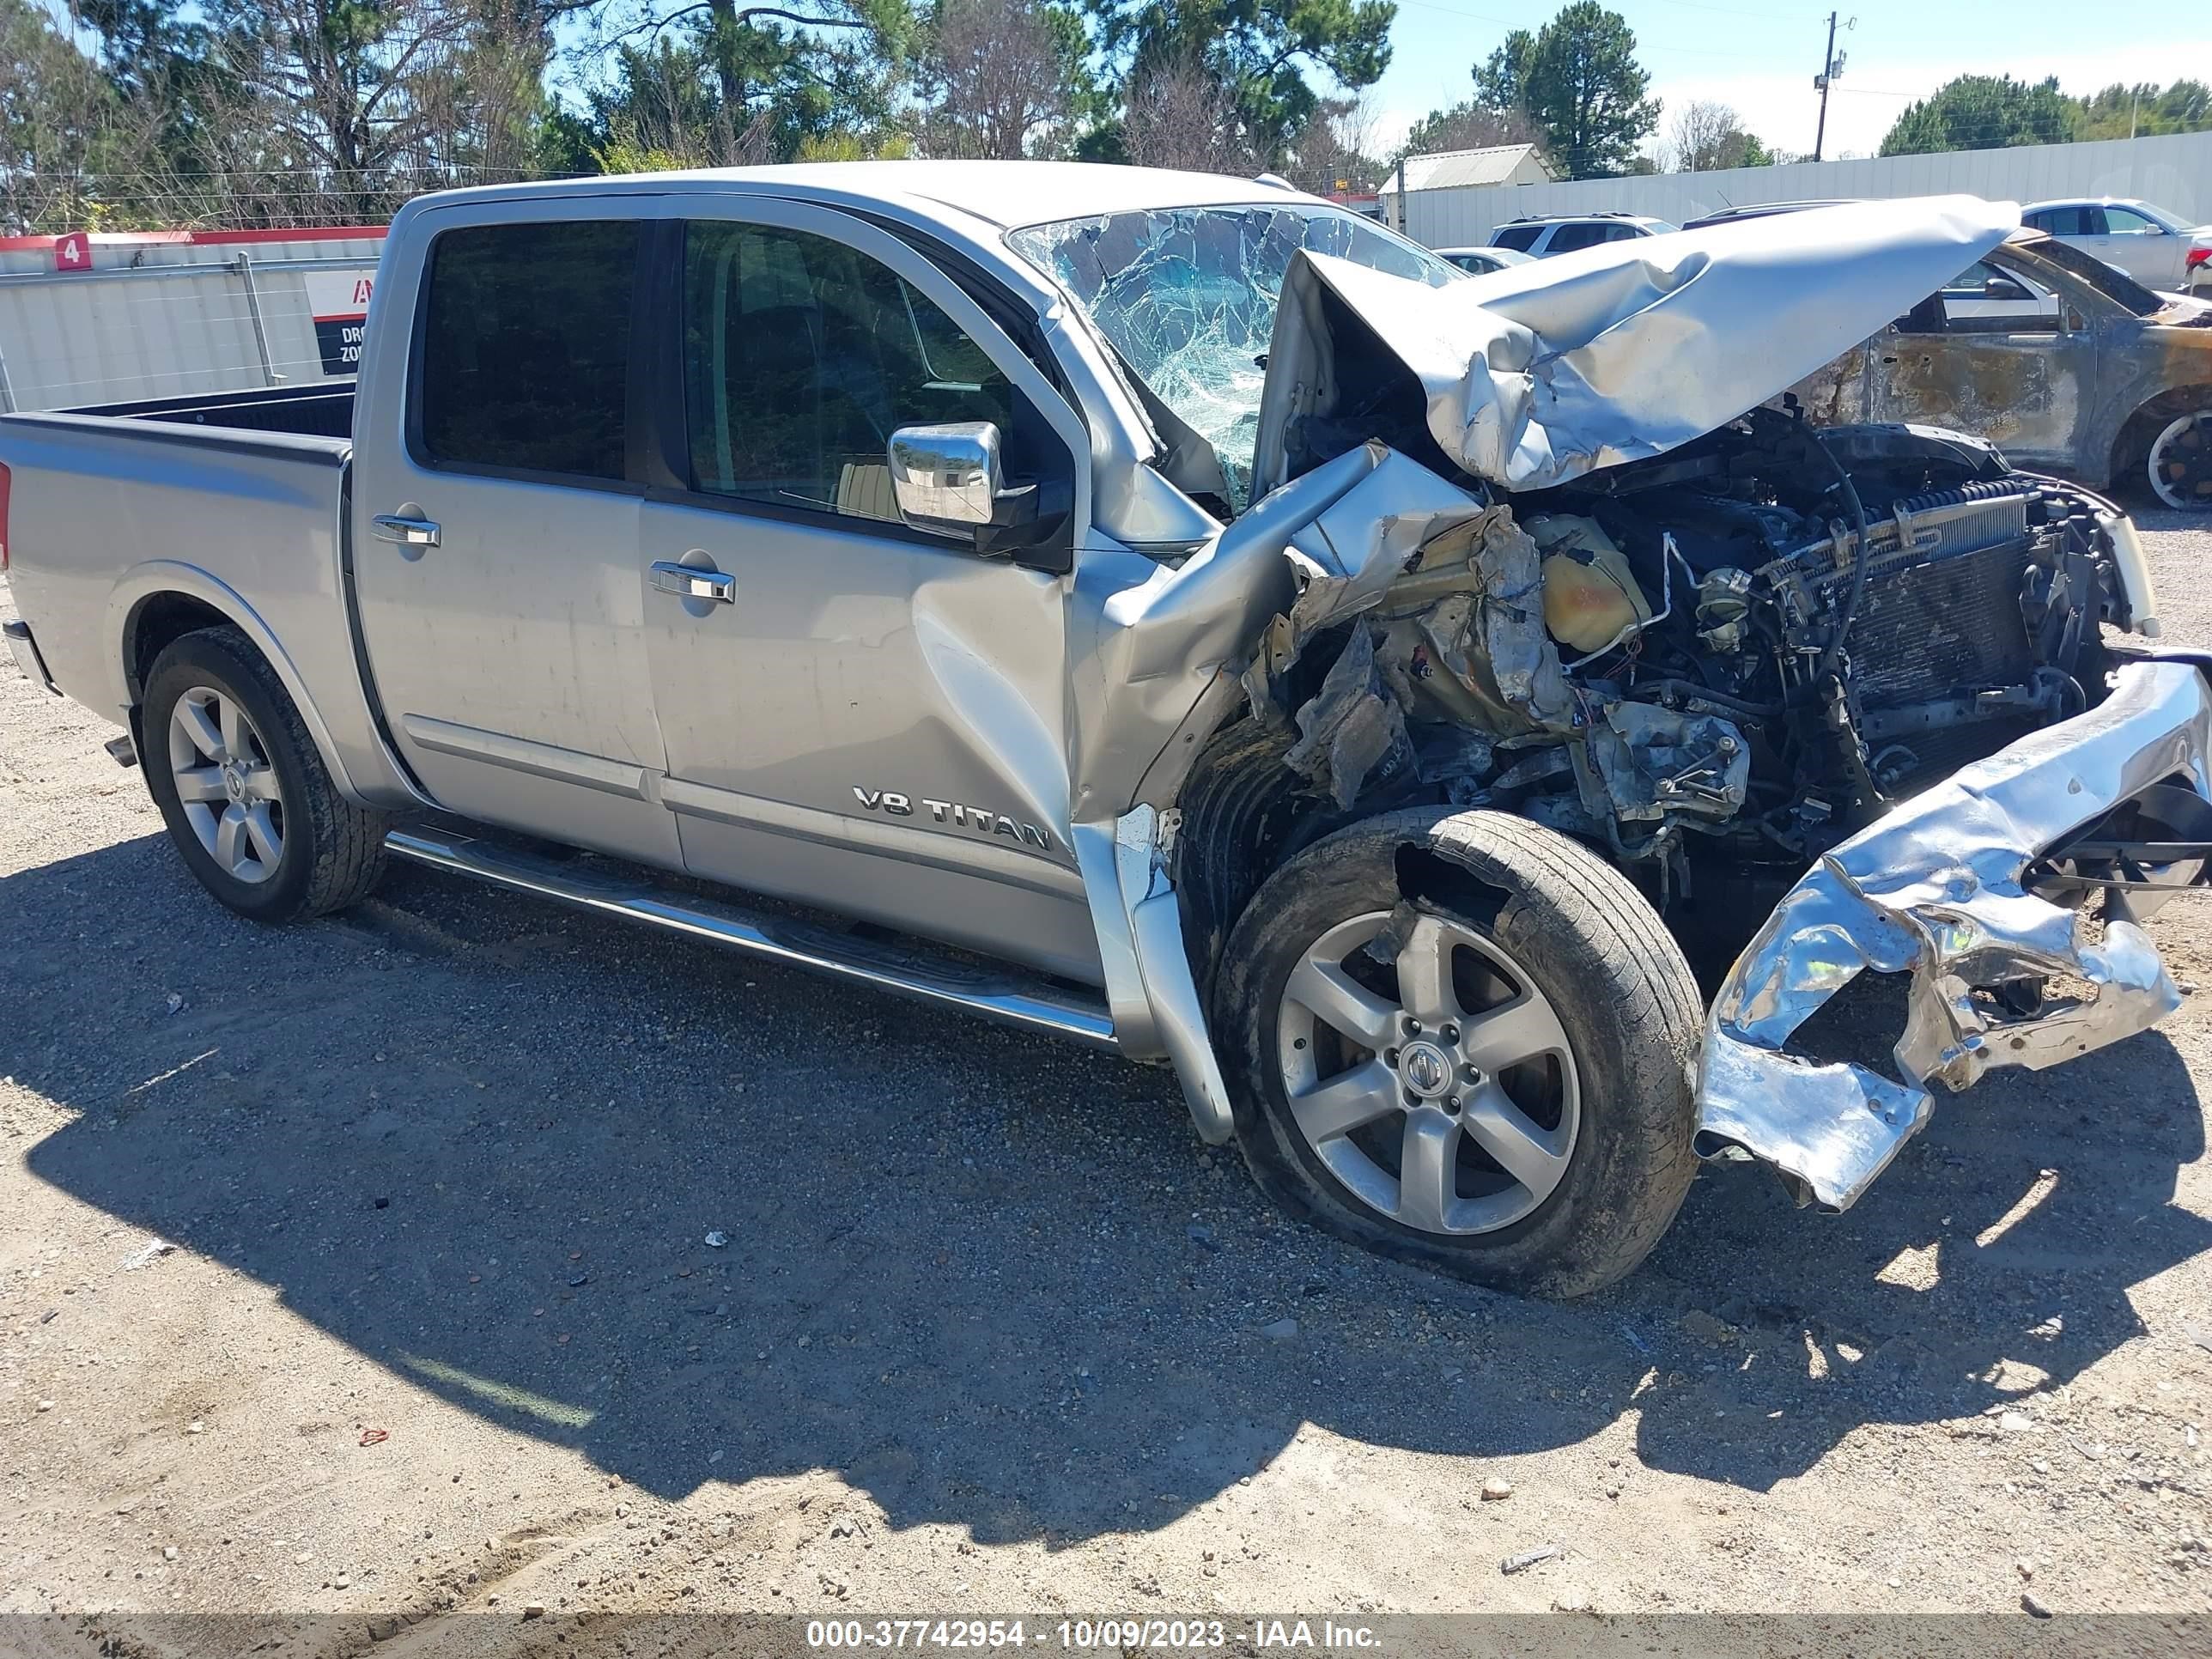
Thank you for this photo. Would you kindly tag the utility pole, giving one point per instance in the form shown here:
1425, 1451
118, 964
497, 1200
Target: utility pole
1831, 66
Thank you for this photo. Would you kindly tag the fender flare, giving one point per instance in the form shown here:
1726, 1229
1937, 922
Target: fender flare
155, 577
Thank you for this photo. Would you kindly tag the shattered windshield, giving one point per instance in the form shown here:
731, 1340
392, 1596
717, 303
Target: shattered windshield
1186, 295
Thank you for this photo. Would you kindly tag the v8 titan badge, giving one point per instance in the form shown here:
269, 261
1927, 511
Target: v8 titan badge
339, 302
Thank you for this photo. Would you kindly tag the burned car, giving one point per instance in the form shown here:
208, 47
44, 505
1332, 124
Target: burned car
2064, 362
1171, 613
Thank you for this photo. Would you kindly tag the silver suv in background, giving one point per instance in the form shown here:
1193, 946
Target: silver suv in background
2160, 250
1540, 235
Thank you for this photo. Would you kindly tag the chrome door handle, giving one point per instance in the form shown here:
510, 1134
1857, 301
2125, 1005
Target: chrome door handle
684, 582
408, 533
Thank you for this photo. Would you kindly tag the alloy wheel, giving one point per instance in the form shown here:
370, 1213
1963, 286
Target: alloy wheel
1438, 1085
226, 785
2180, 463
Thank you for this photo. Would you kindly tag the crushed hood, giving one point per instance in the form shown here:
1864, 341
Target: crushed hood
1541, 373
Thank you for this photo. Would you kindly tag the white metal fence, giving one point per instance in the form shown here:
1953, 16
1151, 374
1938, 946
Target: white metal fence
189, 320
2174, 172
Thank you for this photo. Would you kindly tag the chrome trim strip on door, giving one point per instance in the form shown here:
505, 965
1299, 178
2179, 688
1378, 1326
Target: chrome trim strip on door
1006, 996
962, 851
539, 760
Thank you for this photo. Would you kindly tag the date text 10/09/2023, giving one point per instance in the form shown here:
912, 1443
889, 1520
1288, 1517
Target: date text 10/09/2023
1120, 1635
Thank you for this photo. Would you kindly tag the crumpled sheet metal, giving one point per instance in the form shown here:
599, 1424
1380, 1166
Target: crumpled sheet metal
1452, 593
1933, 889
1538, 374
1347, 527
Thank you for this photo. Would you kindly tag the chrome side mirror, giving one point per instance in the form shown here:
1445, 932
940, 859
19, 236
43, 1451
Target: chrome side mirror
946, 477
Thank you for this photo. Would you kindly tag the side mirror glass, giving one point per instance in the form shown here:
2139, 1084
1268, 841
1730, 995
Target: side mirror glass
947, 476
2003, 288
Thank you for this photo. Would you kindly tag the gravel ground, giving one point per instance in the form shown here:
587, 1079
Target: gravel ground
990, 1332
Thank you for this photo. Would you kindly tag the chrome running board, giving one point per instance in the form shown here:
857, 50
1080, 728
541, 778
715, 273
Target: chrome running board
1001, 994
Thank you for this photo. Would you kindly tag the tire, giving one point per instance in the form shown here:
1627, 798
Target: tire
2178, 462
1515, 916
328, 853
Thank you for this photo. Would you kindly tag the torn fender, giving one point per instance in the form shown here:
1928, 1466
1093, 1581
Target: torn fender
1935, 890
1536, 374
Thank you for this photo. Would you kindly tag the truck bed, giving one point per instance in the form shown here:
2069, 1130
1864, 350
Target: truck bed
235, 500
322, 411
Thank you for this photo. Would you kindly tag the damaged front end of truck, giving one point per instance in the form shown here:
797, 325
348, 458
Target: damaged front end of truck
1537, 543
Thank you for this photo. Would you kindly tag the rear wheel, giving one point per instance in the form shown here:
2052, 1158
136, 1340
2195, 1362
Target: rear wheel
2179, 463
245, 795
1475, 1057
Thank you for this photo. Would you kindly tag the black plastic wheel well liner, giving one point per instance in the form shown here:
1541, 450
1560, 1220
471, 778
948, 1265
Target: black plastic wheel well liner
157, 623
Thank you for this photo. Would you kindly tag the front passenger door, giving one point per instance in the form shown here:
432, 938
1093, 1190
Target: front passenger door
857, 713
2015, 370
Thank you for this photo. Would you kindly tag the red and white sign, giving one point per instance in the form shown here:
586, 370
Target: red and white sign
338, 301
73, 252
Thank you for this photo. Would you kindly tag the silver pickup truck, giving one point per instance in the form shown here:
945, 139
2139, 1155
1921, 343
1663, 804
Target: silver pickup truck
1171, 613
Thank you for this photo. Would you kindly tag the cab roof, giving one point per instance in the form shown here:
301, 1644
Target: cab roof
1007, 194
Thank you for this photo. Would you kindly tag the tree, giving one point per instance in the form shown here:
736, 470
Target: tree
1705, 136
1341, 151
1004, 78
716, 84
1264, 54
54, 107
2122, 111
1471, 126
1983, 112
1501, 81
1585, 91
1176, 114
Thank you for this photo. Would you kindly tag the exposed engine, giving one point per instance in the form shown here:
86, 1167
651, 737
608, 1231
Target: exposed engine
1859, 611
1733, 654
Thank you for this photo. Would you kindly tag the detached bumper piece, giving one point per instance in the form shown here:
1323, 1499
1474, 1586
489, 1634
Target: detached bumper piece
25, 650
1976, 889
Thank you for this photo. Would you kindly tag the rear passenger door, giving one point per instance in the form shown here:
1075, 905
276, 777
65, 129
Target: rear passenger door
857, 713
496, 524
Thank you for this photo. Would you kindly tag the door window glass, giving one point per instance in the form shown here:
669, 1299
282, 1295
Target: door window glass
525, 348
1519, 238
1567, 238
2061, 221
802, 356
2126, 221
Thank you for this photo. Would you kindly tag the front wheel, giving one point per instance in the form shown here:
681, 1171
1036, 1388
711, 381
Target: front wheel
1461, 1039
245, 796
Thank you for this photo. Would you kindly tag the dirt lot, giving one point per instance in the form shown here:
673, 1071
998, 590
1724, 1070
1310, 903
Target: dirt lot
990, 1333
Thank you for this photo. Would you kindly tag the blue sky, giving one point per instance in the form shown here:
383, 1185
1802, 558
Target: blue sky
1762, 59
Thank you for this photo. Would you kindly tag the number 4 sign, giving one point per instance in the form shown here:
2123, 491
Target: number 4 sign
73, 252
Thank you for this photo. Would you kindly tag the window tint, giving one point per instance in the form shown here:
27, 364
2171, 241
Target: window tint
1519, 238
802, 356
1621, 232
525, 347
2066, 221
1565, 238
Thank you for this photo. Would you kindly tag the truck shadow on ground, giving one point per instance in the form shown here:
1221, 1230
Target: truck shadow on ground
990, 1279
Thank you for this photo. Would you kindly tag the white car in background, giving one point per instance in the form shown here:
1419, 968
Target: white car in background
2156, 248
1481, 261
